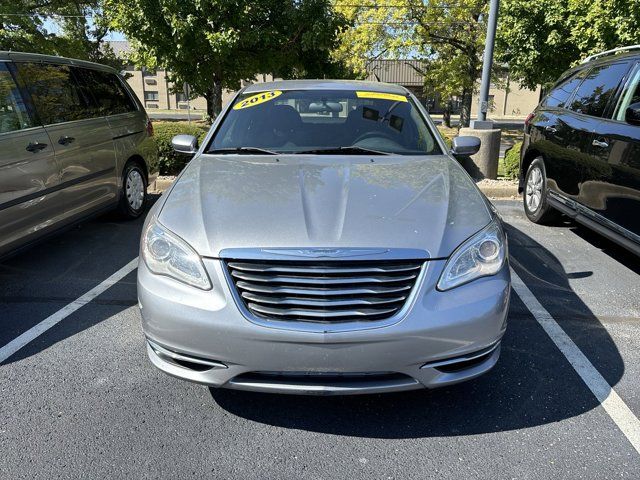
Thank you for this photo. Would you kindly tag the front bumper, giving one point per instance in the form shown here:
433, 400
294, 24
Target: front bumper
444, 338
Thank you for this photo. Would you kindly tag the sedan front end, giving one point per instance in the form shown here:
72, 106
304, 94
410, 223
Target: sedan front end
313, 271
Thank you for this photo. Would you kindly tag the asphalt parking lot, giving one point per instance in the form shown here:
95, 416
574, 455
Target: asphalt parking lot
81, 399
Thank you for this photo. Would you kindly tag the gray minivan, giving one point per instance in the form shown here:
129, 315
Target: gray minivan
74, 141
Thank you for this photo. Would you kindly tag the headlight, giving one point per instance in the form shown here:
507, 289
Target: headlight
167, 254
480, 256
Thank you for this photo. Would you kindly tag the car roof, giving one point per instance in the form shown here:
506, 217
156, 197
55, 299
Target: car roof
348, 85
37, 57
632, 55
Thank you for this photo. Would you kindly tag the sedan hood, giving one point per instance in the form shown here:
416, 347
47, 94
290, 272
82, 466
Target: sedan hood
298, 201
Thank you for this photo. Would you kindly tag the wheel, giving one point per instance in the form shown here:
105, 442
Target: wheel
134, 191
536, 205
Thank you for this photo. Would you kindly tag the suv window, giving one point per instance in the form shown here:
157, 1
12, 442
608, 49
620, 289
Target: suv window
561, 92
630, 96
597, 88
56, 95
13, 112
107, 92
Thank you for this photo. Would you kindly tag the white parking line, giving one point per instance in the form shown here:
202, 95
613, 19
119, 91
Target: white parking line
615, 407
34, 332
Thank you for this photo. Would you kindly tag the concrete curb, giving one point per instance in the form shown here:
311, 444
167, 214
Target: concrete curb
508, 191
161, 184
500, 191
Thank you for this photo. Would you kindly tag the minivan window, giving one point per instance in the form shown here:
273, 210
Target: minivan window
56, 95
13, 111
563, 90
107, 92
596, 89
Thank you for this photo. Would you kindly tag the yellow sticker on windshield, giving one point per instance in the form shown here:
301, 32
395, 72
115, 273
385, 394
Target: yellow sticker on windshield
382, 96
257, 99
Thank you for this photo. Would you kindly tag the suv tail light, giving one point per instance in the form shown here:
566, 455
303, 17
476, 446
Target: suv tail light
149, 128
527, 121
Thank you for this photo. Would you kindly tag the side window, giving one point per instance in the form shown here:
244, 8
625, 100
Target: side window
597, 88
108, 93
630, 95
561, 92
56, 95
13, 112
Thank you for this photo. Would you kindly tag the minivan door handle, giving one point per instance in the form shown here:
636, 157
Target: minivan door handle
598, 143
66, 140
34, 147
550, 129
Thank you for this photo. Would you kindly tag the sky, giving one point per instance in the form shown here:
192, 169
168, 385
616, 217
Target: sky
53, 27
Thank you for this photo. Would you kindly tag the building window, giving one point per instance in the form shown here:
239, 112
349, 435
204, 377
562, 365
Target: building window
153, 96
152, 105
181, 97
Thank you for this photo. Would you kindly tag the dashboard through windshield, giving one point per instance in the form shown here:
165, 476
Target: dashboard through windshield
324, 121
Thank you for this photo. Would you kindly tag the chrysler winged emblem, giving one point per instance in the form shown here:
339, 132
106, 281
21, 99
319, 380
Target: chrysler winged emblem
326, 252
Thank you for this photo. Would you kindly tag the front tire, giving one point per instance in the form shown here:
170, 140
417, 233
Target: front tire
134, 191
535, 195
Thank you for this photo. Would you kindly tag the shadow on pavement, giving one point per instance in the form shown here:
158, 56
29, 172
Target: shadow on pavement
532, 384
615, 251
39, 281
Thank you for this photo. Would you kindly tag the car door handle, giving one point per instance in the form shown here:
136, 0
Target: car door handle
35, 146
550, 129
66, 140
598, 143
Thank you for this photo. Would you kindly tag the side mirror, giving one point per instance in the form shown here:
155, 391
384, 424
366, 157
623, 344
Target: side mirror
632, 114
465, 146
185, 144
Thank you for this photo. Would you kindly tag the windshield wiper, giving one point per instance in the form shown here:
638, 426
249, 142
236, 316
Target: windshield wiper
350, 150
247, 150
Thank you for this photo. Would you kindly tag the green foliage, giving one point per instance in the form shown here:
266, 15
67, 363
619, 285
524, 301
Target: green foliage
541, 39
448, 36
171, 163
447, 135
512, 161
215, 44
81, 29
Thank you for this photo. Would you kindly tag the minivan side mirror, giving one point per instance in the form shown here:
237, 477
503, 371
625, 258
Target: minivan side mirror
185, 144
465, 146
632, 114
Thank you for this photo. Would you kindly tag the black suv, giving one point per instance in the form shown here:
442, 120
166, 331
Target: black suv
581, 150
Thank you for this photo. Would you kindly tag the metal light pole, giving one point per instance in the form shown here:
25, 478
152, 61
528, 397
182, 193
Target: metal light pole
486, 66
486, 160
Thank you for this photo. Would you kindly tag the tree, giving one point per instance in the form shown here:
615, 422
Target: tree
20, 31
448, 36
540, 40
80, 34
214, 44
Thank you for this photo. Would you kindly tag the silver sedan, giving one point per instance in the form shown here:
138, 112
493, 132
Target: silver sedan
323, 240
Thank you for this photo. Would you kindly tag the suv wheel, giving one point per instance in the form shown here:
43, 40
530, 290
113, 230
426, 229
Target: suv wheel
134, 191
534, 196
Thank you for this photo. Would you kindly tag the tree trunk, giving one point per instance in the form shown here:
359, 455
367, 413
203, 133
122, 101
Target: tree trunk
465, 108
214, 97
446, 115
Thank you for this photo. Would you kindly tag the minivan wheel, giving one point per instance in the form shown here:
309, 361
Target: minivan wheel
536, 204
134, 191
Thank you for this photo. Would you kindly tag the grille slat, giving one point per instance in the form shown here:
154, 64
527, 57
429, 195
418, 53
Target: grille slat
313, 302
300, 312
313, 270
324, 291
320, 280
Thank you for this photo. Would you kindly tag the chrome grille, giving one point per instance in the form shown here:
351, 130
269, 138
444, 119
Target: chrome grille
324, 291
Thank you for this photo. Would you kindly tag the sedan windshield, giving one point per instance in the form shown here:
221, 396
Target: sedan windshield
324, 122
